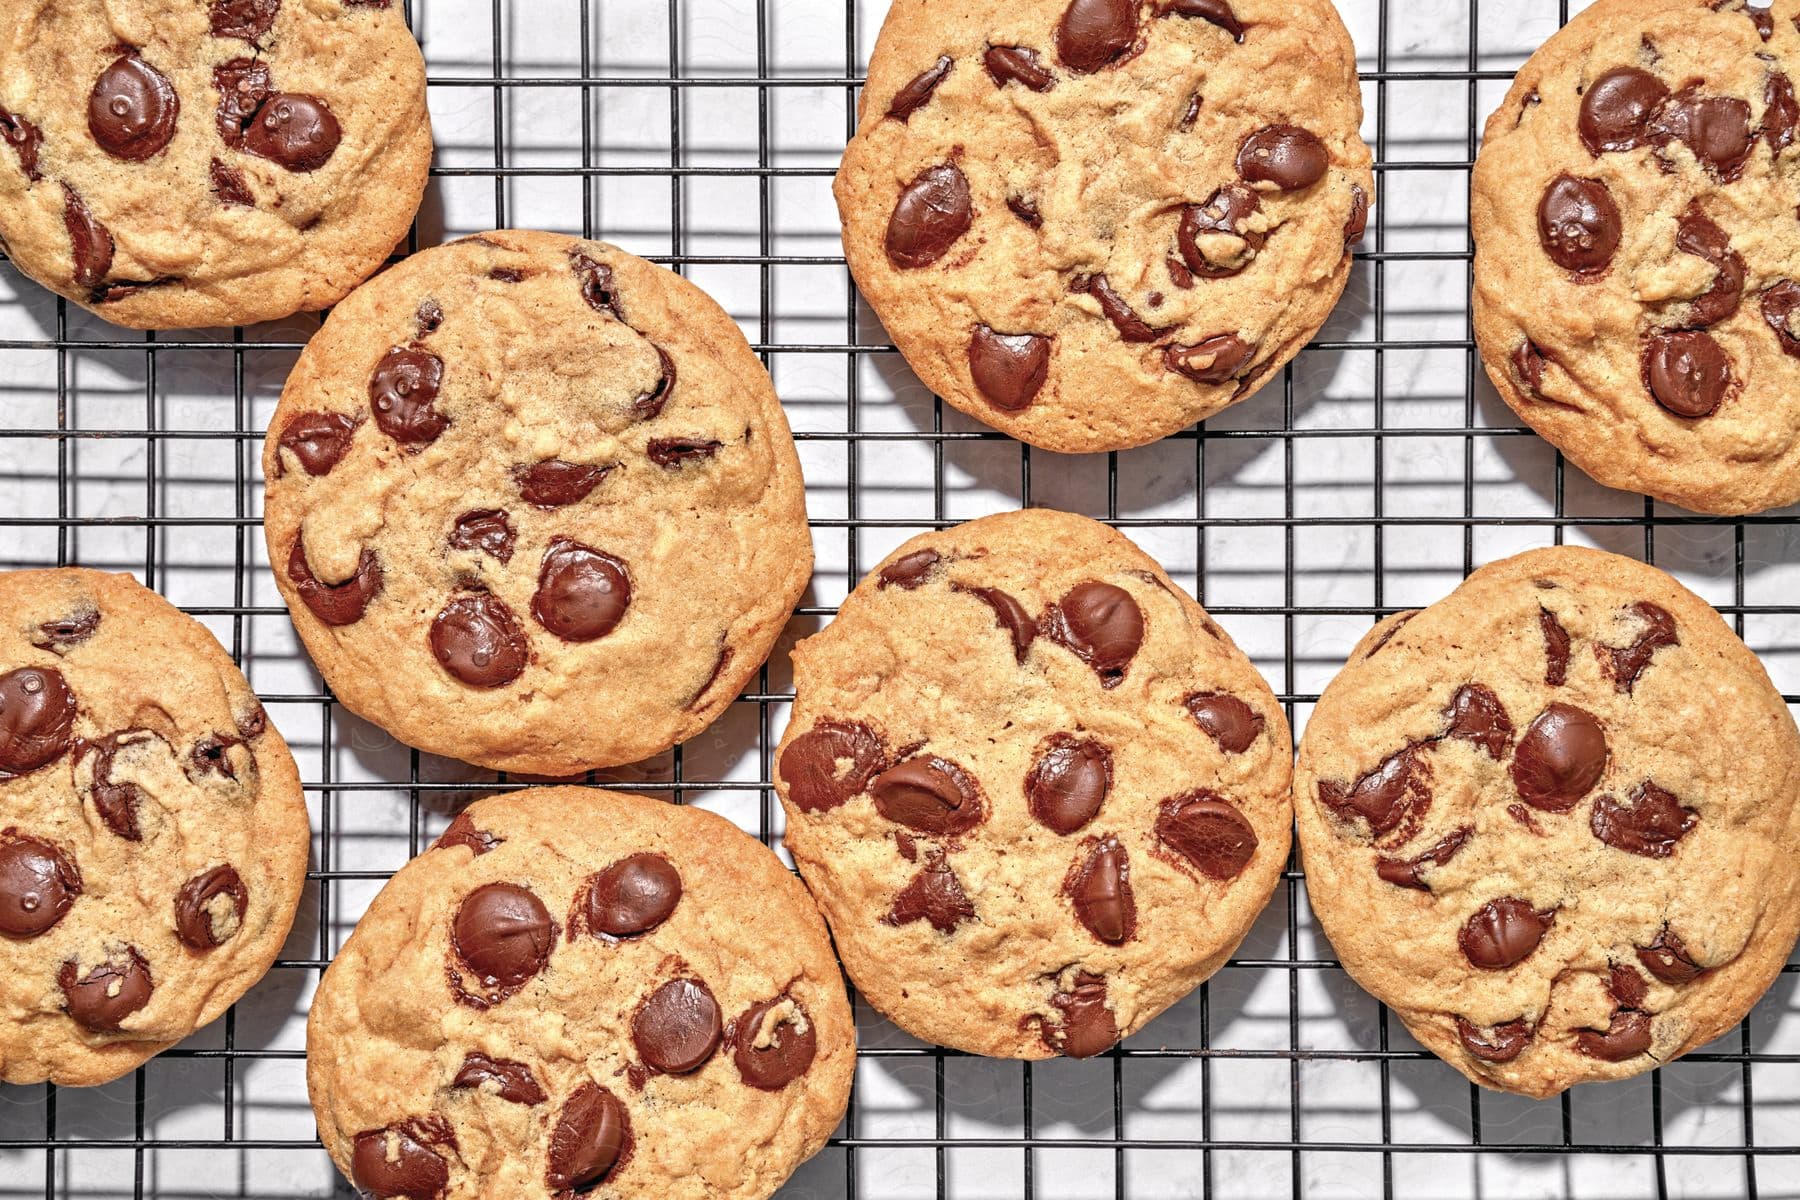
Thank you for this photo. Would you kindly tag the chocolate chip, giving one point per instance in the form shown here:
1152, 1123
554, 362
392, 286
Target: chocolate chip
1779, 304
1227, 719
1627, 1037
1761, 17
1397, 790
1715, 128
243, 84
340, 603
1026, 209
506, 274
1687, 372
907, 847
395, 1162
917, 94
1405, 872
677, 1028
1626, 663
1009, 615
1017, 64
113, 292
211, 756
38, 884
582, 593
1579, 225
318, 439
1068, 782
650, 405
1781, 112
909, 572
37, 719
1476, 715
512, 1080
596, 279
1208, 832
1101, 624
1214, 360
1698, 235
1560, 758
773, 1043
1100, 887
1387, 635
1667, 958
1008, 369
485, 530
250, 20
1131, 327
402, 390
1287, 156
60, 634
633, 896
1502, 933
198, 922
504, 934
929, 794
1190, 114
830, 763
132, 109
115, 802
1085, 1027
24, 138
1501, 1044
294, 131
591, 1136
934, 210
90, 243
102, 999
933, 895
1617, 108
554, 483
1556, 648
1217, 11
1094, 34
1649, 826
1358, 221
478, 640
1529, 361
429, 317
1626, 985
675, 452
229, 185
462, 832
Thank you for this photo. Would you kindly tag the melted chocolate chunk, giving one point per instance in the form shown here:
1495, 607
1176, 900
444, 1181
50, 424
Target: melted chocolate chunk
504, 934
1068, 782
90, 242
1476, 715
1687, 372
1624, 664
318, 440
1216, 11
910, 571
1668, 959
1101, 624
773, 1043
1649, 826
929, 794
1556, 648
596, 279
132, 109
230, 186
402, 390
1190, 114
243, 84
249, 20
830, 763
1779, 304
1501, 1044
1405, 872
1214, 360
115, 802
1095, 34
512, 1080
1227, 719
1132, 328
917, 94
1026, 209
1287, 156
1529, 361
1698, 235
1626, 985
677, 1027
1017, 64
1579, 225
554, 483
1617, 108
1357, 223
428, 317
1009, 615
1781, 113
934, 895
1627, 1037
462, 832
1503, 933
59, 635
633, 896
582, 593
37, 720
650, 405
591, 1137
1009, 369
1396, 791
107, 995
1560, 758
197, 922
339, 603
1100, 888
38, 884
1084, 1026
397, 1162
1387, 635
675, 452
24, 138
485, 530
1715, 128
294, 131
934, 210
477, 639
1211, 834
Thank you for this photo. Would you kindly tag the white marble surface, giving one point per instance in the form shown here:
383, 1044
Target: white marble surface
1257, 1092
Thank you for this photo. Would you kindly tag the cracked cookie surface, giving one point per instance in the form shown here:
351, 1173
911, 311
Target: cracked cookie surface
171, 165
1548, 821
568, 993
153, 835
1039, 794
1091, 224
1637, 270
533, 504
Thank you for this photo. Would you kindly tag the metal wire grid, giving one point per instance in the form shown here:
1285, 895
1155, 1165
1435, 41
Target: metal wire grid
29, 1117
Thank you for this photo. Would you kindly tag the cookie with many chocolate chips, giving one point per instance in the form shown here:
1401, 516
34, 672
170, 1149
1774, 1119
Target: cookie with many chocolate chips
1549, 819
1637, 269
153, 835
575, 991
1039, 794
533, 504
208, 162
1091, 223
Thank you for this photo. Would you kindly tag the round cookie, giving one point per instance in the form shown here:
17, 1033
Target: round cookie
1550, 821
1637, 268
1092, 223
1038, 793
153, 835
569, 992
533, 504
173, 164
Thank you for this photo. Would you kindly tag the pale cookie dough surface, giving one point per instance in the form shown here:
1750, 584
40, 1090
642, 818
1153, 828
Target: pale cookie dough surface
153, 835
533, 504
1550, 821
1092, 224
173, 163
563, 1073
1637, 270
1016, 858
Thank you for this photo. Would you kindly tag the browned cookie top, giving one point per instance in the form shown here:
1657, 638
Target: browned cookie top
179, 164
1550, 820
1038, 793
1092, 223
1638, 253
153, 836
533, 504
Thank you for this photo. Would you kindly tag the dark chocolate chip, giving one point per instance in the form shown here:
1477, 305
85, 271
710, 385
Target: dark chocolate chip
1190, 114
650, 405
1779, 305
62, 633
504, 934
1579, 225
591, 1136
1781, 112
1502, 933
1649, 826
249, 20
230, 186
1560, 758
512, 1080
1026, 209
773, 1043
477, 639
211, 756
243, 84
1008, 369
486, 531
115, 802
1627, 1037
402, 390
633, 896
1626, 985
1068, 782
675, 452
1094, 34
38, 884
830, 763
132, 109
1101, 624
1211, 834
934, 210
1556, 648
1668, 959
1214, 360
596, 280
339, 603
1009, 615
37, 719
934, 895
318, 439
917, 94
394, 1162
1687, 372
1501, 1044
294, 131
506, 274
102, 999
1624, 664
24, 138
1084, 1025
929, 794
1017, 64
1699, 235
1100, 887
1222, 213
1529, 361
1357, 223
1617, 108
1715, 128
1287, 156
1131, 327
428, 317
462, 832
197, 923
1398, 789
910, 571
1387, 635
90, 242
1405, 872
677, 1027
1476, 715
554, 483
582, 593
1216, 11
1227, 719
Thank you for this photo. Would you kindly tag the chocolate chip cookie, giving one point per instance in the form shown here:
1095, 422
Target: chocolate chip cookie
153, 836
1039, 794
1637, 270
576, 990
533, 504
1091, 223
171, 164
1550, 821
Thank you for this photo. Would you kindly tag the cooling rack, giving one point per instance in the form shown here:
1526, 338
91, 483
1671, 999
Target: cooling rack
1375, 473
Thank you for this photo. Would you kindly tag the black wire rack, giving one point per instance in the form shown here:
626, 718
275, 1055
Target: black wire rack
1380, 457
